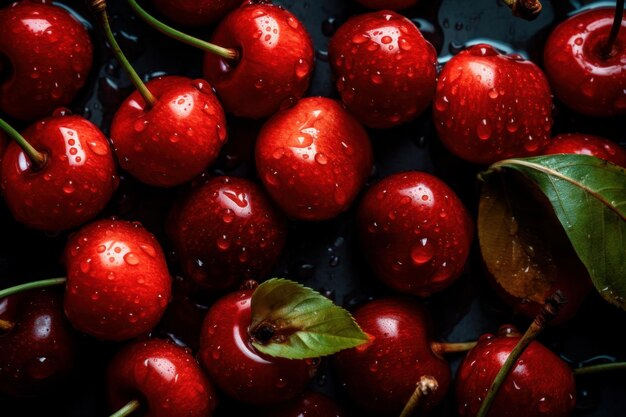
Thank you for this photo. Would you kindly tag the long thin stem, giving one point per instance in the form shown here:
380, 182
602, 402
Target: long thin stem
617, 24
425, 386
37, 158
550, 310
183, 37
131, 406
605, 367
32, 285
442, 348
100, 9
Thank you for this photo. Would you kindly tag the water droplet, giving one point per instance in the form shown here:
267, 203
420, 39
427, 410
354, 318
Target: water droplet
149, 250
85, 265
140, 125
278, 153
376, 78
228, 216
281, 383
223, 243
321, 159
221, 132
493, 93
423, 251
131, 259
483, 130
292, 22
68, 187
441, 103
302, 68
98, 148
359, 39
174, 138
386, 40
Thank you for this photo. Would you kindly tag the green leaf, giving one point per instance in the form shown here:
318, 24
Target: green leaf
588, 196
296, 322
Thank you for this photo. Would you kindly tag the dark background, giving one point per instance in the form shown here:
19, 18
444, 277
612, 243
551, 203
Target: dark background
323, 255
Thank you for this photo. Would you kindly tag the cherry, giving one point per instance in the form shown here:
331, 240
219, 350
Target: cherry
313, 158
540, 384
118, 285
45, 57
385, 69
236, 367
226, 231
595, 81
381, 376
37, 344
3, 145
490, 106
415, 232
162, 379
175, 139
387, 4
275, 63
196, 12
67, 182
309, 404
583, 144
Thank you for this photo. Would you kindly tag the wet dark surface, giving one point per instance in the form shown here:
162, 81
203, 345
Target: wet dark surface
324, 255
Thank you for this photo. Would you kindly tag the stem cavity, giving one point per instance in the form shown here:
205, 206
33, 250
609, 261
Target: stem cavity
38, 159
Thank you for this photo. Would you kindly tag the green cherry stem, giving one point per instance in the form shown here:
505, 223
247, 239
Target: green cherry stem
99, 8
37, 158
605, 367
425, 386
31, 286
183, 37
617, 24
442, 348
550, 310
131, 406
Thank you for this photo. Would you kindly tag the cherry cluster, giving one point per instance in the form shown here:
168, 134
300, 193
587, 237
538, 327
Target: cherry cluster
313, 157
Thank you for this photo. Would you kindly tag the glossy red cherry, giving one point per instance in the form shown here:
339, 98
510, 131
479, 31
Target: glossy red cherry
236, 367
37, 344
309, 404
48, 55
176, 139
313, 158
415, 232
583, 144
490, 106
385, 69
74, 184
227, 231
540, 384
275, 64
387, 4
381, 376
3, 145
196, 12
118, 284
163, 377
594, 83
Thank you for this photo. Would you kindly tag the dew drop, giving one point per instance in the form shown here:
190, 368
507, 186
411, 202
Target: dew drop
149, 250
321, 159
483, 130
68, 187
302, 68
422, 252
131, 259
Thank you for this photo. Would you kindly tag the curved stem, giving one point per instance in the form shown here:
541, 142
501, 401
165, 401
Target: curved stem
442, 348
425, 386
99, 8
31, 286
37, 158
131, 406
550, 310
605, 367
183, 37
617, 24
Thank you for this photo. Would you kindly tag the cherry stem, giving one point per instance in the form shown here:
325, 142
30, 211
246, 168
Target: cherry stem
31, 286
425, 386
227, 53
100, 8
37, 158
605, 367
617, 24
550, 310
526, 9
442, 348
131, 406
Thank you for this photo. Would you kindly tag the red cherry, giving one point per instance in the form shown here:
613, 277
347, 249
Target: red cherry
385, 69
490, 106
583, 144
275, 65
381, 376
118, 284
541, 384
594, 84
48, 57
236, 367
196, 12
415, 232
309, 404
163, 377
175, 140
3, 145
313, 158
387, 4
74, 184
227, 231
38, 346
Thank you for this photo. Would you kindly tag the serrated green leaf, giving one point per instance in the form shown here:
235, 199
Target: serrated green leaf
305, 324
588, 196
